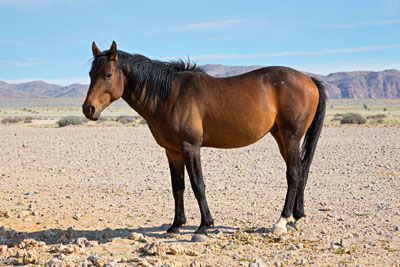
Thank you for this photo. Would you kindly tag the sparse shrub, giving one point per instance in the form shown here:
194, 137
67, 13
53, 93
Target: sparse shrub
70, 120
125, 119
107, 118
365, 106
11, 120
102, 118
384, 109
352, 118
331, 106
142, 121
28, 119
377, 116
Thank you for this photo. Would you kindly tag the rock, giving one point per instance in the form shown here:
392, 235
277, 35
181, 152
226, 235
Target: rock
153, 260
54, 263
12, 261
92, 243
29, 257
139, 237
100, 262
81, 242
195, 264
29, 193
77, 216
111, 264
23, 214
3, 249
135, 236
69, 249
333, 246
84, 263
66, 249
93, 257
155, 248
301, 262
192, 252
30, 244
176, 249
140, 262
4, 214
257, 263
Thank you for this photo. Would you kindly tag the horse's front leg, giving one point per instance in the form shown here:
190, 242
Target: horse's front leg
177, 169
191, 156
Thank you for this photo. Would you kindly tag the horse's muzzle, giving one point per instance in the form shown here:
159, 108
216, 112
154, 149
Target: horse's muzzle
90, 112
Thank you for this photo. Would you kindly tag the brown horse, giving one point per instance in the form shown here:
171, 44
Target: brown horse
187, 109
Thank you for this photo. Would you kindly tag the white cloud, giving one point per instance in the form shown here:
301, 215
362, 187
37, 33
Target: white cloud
208, 25
38, 4
27, 63
364, 23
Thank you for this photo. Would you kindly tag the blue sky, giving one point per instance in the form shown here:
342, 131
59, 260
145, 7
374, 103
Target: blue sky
51, 40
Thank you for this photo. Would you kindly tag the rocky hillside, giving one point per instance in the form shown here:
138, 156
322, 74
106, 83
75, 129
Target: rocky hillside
354, 85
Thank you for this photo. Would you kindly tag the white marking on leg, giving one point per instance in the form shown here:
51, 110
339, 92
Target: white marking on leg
280, 226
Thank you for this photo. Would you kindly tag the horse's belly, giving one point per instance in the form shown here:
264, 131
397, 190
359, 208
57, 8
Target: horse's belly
224, 136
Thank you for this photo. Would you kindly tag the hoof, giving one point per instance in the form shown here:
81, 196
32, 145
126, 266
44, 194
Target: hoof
172, 235
276, 230
198, 238
291, 226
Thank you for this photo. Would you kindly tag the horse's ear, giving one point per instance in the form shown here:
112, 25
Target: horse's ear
95, 50
113, 51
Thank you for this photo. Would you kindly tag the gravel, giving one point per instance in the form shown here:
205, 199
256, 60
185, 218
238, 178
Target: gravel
106, 191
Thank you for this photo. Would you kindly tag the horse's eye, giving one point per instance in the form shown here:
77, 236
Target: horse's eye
108, 76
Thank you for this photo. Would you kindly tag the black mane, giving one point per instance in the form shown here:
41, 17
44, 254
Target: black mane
141, 72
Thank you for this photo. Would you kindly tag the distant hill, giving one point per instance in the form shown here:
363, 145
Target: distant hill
40, 89
353, 85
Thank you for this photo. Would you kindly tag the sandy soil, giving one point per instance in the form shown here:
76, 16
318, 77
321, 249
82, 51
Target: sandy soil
102, 196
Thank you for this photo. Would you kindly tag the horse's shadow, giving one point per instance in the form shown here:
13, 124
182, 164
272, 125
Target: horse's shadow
54, 236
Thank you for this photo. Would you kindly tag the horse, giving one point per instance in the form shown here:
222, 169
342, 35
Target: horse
186, 109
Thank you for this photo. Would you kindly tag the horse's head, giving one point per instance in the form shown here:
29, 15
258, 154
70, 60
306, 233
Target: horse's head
107, 82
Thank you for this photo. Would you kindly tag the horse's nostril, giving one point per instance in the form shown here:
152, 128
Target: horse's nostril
91, 109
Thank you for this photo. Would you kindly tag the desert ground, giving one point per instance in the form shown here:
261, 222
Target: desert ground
100, 195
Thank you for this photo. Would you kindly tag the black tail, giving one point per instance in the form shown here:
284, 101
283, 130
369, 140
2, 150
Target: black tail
314, 131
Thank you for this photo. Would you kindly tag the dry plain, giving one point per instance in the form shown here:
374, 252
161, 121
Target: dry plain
100, 194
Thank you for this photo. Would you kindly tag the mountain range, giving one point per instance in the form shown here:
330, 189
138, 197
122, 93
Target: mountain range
350, 85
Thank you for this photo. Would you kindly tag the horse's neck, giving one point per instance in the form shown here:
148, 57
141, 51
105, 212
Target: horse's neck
144, 109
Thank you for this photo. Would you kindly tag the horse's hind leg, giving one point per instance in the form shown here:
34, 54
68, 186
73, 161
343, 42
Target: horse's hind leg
177, 170
298, 210
289, 145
